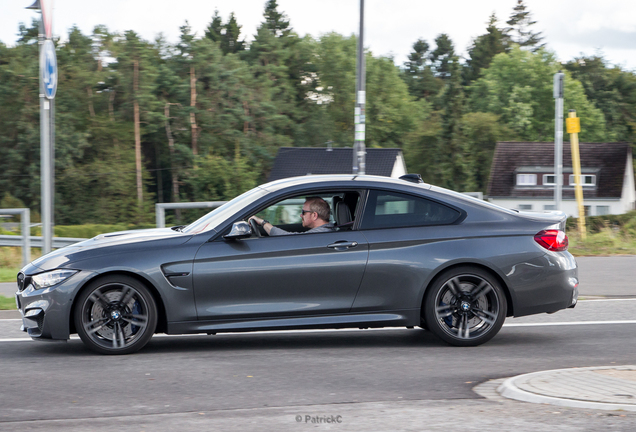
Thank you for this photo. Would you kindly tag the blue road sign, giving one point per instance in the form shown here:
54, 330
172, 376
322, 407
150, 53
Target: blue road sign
48, 68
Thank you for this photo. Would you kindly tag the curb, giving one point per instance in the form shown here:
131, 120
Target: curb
510, 388
10, 314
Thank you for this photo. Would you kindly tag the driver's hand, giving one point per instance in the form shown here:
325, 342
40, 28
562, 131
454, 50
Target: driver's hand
256, 219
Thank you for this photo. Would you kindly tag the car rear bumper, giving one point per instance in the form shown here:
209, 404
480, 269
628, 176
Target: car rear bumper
545, 284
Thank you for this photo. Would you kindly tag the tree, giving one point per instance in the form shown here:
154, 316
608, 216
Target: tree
215, 28
520, 31
442, 55
518, 87
226, 35
483, 49
276, 22
479, 135
418, 74
230, 42
612, 90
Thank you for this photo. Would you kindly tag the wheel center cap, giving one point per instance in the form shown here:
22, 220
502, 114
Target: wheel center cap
465, 306
115, 315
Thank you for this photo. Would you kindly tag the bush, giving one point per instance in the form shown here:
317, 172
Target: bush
596, 224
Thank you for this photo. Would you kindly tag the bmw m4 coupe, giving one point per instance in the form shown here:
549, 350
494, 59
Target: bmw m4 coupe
394, 253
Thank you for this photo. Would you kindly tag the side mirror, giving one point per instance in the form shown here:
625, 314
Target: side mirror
240, 229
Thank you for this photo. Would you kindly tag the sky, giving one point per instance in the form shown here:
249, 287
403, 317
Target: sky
570, 28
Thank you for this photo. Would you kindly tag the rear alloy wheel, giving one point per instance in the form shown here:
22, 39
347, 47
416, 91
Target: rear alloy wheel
116, 315
465, 306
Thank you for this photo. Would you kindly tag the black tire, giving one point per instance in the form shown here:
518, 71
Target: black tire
115, 315
465, 306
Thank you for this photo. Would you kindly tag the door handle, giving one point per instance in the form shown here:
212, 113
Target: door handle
342, 245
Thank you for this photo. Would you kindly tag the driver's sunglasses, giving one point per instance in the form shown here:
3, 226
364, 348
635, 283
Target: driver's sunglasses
302, 212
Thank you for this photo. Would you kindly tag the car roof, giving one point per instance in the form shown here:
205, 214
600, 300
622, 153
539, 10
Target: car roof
340, 180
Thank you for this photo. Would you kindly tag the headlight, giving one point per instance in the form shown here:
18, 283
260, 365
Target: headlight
53, 277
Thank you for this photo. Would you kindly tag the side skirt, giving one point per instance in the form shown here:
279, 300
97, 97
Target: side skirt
402, 318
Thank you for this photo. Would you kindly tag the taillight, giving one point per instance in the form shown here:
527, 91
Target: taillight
553, 240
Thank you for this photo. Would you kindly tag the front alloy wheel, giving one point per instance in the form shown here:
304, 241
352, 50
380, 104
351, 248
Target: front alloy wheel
465, 307
116, 315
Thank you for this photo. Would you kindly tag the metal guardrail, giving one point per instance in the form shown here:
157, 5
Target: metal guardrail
24, 240
160, 209
36, 242
27, 242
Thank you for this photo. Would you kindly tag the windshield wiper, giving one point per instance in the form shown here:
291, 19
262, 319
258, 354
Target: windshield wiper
178, 228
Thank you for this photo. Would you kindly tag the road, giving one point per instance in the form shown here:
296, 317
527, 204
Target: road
360, 380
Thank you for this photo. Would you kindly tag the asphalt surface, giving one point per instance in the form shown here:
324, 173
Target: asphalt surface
334, 380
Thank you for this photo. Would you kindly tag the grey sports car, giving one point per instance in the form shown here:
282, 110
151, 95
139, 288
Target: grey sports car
399, 253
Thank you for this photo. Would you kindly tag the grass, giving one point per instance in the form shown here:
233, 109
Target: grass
8, 274
7, 303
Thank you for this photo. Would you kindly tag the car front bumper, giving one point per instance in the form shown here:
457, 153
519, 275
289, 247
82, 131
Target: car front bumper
46, 313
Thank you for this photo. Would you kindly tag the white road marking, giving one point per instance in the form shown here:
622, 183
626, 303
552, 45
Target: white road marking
278, 332
567, 323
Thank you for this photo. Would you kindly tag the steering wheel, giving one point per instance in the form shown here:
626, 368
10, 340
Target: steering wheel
255, 229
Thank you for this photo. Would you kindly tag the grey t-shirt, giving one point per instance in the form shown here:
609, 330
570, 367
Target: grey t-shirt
275, 231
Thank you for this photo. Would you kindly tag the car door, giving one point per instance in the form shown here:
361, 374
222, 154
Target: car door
408, 237
295, 275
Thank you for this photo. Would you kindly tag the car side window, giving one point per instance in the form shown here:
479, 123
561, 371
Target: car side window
395, 210
285, 214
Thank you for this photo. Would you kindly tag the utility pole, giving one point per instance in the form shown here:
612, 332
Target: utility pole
558, 138
573, 127
48, 88
359, 150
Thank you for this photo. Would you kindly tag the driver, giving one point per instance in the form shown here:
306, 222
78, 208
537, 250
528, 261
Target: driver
314, 215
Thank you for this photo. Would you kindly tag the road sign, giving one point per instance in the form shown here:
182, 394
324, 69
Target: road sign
48, 68
573, 125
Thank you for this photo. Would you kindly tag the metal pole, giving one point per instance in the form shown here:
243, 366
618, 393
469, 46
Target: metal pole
26, 236
573, 128
558, 139
359, 150
52, 169
45, 153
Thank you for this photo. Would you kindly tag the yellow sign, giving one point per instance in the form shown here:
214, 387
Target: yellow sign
573, 125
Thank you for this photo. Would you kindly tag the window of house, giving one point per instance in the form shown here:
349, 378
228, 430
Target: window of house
586, 180
526, 179
549, 207
395, 210
549, 179
525, 206
602, 210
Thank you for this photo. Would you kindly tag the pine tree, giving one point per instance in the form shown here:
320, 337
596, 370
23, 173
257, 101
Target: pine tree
442, 56
520, 32
230, 42
418, 74
483, 49
215, 28
275, 21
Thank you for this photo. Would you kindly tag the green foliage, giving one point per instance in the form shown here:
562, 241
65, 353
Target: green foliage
7, 303
214, 112
483, 49
518, 87
612, 90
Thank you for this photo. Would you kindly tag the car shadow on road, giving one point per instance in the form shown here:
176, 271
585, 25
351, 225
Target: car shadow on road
272, 341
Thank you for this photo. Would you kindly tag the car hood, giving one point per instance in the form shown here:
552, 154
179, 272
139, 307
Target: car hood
105, 244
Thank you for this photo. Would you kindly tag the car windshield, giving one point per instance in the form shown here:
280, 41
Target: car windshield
218, 215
